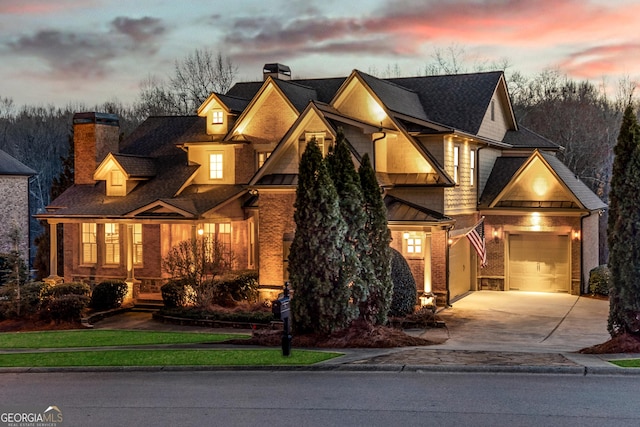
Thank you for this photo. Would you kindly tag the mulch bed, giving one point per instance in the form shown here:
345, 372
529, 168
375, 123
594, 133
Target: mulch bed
30, 325
356, 336
625, 343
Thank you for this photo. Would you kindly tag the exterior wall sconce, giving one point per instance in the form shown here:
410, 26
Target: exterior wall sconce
496, 234
576, 234
200, 230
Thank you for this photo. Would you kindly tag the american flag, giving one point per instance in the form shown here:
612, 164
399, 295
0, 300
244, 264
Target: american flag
476, 237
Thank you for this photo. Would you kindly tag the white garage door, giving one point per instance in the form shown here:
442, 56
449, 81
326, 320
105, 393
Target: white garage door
539, 262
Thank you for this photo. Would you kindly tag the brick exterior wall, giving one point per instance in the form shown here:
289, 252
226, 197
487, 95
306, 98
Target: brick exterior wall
92, 142
14, 213
276, 220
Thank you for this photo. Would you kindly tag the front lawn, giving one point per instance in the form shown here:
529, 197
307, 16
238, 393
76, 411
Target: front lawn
270, 357
105, 338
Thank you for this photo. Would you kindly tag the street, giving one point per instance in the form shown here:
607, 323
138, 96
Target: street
249, 398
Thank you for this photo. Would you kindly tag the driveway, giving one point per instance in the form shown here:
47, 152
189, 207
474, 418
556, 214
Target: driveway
522, 321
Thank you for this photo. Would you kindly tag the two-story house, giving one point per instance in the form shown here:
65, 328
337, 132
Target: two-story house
447, 150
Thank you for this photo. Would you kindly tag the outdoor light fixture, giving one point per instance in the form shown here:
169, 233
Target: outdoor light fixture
576, 234
497, 233
428, 300
200, 231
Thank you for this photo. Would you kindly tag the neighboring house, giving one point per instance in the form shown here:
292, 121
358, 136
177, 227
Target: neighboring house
447, 151
14, 210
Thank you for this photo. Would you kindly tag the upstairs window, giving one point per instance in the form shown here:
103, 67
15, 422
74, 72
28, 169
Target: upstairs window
89, 246
215, 166
218, 117
493, 110
117, 178
111, 243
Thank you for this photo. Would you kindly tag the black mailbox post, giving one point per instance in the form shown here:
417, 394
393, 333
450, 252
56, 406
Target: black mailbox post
281, 308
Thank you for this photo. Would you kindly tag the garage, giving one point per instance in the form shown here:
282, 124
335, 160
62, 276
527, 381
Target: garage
539, 262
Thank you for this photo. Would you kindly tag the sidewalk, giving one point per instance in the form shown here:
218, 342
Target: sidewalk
485, 332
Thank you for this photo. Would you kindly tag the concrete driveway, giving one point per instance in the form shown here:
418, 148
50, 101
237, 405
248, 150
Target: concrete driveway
522, 321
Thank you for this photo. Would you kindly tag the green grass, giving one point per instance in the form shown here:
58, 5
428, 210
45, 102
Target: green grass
105, 338
627, 363
268, 357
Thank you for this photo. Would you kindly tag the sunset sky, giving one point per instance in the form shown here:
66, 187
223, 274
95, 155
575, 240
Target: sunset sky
92, 51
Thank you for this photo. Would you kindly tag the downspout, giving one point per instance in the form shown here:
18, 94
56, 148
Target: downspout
582, 217
373, 160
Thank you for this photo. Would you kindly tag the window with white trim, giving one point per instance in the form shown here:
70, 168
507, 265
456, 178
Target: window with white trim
89, 244
218, 117
111, 243
137, 244
413, 244
215, 166
262, 157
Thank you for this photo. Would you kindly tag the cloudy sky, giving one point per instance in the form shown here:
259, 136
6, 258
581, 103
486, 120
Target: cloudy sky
92, 51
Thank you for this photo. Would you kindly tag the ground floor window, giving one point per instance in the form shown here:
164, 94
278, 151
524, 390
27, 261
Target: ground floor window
89, 243
111, 243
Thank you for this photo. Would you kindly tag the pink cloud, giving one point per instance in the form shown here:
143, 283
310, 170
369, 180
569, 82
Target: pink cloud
616, 59
38, 7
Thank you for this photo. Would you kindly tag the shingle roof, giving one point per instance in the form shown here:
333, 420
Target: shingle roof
136, 166
12, 166
503, 171
526, 138
235, 104
297, 94
158, 135
397, 98
459, 100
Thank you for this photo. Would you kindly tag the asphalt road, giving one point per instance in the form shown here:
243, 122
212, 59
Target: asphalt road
325, 398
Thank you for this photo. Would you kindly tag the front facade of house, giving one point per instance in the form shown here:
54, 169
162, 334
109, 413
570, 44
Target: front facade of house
447, 151
14, 210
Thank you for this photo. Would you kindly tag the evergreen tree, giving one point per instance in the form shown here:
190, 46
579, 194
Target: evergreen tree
321, 292
624, 229
357, 263
58, 185
379, 238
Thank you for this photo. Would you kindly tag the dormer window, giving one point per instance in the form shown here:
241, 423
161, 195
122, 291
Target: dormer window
218, 117
215, 166
117, 178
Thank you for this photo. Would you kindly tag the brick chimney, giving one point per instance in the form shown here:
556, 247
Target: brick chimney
94, 136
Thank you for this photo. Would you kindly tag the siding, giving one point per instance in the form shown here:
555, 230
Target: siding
14, 213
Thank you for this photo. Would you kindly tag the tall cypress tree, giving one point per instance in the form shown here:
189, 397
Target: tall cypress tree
321, 292
356, 260
379, 238
624, 229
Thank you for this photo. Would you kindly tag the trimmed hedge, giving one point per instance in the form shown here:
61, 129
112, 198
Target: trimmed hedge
174, 294
600, 280
71, 288
65, 301
263, 317
403, 301
108, 294
30, 299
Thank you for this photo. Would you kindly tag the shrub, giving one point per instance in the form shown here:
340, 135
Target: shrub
109, 294
403, 301
71, 288
174, 294
30, 299
67, 307
600, 280
241, 286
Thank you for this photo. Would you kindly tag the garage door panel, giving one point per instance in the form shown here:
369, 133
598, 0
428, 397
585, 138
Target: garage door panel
539, 262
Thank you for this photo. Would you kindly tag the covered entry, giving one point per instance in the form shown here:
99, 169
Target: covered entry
539, 262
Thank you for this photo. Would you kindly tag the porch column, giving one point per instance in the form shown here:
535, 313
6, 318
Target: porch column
130, 280
53, 277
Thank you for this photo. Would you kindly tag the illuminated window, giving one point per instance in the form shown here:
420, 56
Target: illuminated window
262, 157
89, 246
218, 234
252, 244
111, 243
117, 178
137, 244
456, 163
218, 117
414, 245
215, 166
472, 166
323, 145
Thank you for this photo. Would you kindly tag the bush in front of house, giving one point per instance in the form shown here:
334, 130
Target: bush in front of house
30, 297
108, 295
174, 293
240, 314
238, 287
403, 301
65, 301
600, 280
